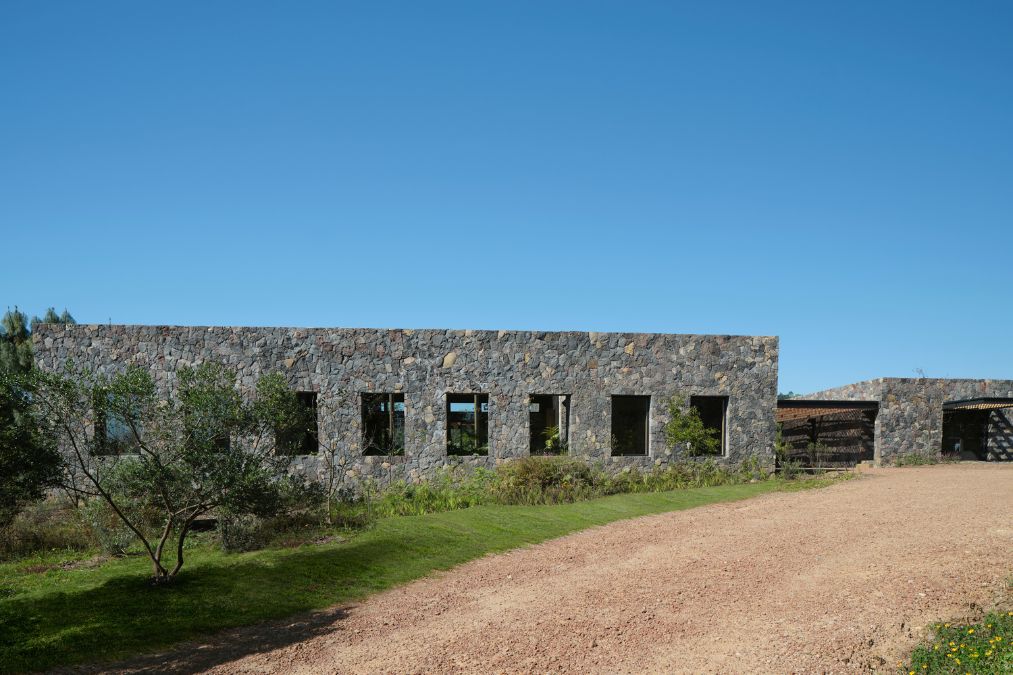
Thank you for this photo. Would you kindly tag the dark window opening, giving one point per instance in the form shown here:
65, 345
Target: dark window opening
467, 424
383, 418
965, 434
302, 438
712, 411
630, 419
113, 434
549, 424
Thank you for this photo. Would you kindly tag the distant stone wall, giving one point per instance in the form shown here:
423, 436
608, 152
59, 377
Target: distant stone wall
910, 418
341, 364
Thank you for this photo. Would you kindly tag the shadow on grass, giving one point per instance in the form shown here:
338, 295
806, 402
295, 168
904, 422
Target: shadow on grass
224, 647
126, 615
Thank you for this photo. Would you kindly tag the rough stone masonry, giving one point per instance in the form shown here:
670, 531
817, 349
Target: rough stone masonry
340, 364
910, 418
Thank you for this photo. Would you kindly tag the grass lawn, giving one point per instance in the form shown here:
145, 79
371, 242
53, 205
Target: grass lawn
50, 615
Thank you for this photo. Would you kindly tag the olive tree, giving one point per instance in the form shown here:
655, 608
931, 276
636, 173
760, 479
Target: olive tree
161, 458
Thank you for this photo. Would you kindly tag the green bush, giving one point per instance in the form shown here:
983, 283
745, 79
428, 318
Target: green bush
915, 459
301, 504
983, 647
546, 480
46, 526
304, 511
105, 528
238, 533
686, 431
453, 487
682, 475
529, 481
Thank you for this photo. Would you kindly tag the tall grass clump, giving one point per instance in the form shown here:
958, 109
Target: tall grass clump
453, 487
915, 459
531, 481
308, 512
45, 527
546, 480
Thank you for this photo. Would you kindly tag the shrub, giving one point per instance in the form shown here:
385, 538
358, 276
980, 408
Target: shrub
983, 647
545, 480
685, 429
530, 480
46, 526
241, 532
453, 487
105, 528
914, 459
684, 474
300, 506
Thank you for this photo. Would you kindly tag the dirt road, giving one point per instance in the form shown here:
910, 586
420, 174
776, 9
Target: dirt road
834, 580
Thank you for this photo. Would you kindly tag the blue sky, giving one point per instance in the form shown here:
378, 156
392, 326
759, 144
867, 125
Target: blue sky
840, 176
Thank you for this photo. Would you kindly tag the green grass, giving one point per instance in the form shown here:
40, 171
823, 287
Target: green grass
983, 647
58, 616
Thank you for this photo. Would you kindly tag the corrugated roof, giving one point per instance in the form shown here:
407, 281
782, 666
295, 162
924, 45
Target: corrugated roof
979, 404
799, 409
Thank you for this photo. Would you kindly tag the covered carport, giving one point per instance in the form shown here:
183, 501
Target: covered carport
827, 434
978, 429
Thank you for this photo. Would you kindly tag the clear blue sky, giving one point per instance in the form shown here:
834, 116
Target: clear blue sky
840, 176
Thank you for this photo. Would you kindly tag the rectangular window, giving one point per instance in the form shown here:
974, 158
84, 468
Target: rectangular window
302, 439
383, 424
467, 424
630, 419
712, 411
114, 435
549, 424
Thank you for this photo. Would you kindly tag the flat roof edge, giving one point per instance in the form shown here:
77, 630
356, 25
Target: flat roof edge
56, 327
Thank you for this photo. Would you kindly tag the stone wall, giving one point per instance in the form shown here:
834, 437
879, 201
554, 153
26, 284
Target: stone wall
341, 364
910, 418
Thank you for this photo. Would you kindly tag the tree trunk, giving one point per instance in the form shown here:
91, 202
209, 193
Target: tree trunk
179, 545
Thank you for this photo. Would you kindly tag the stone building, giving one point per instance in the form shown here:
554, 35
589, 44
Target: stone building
393, 404
956, 418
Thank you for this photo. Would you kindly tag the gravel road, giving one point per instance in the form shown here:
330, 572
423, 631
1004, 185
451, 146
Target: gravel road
840, 579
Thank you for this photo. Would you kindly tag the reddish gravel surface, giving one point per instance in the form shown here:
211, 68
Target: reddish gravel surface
834, 580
